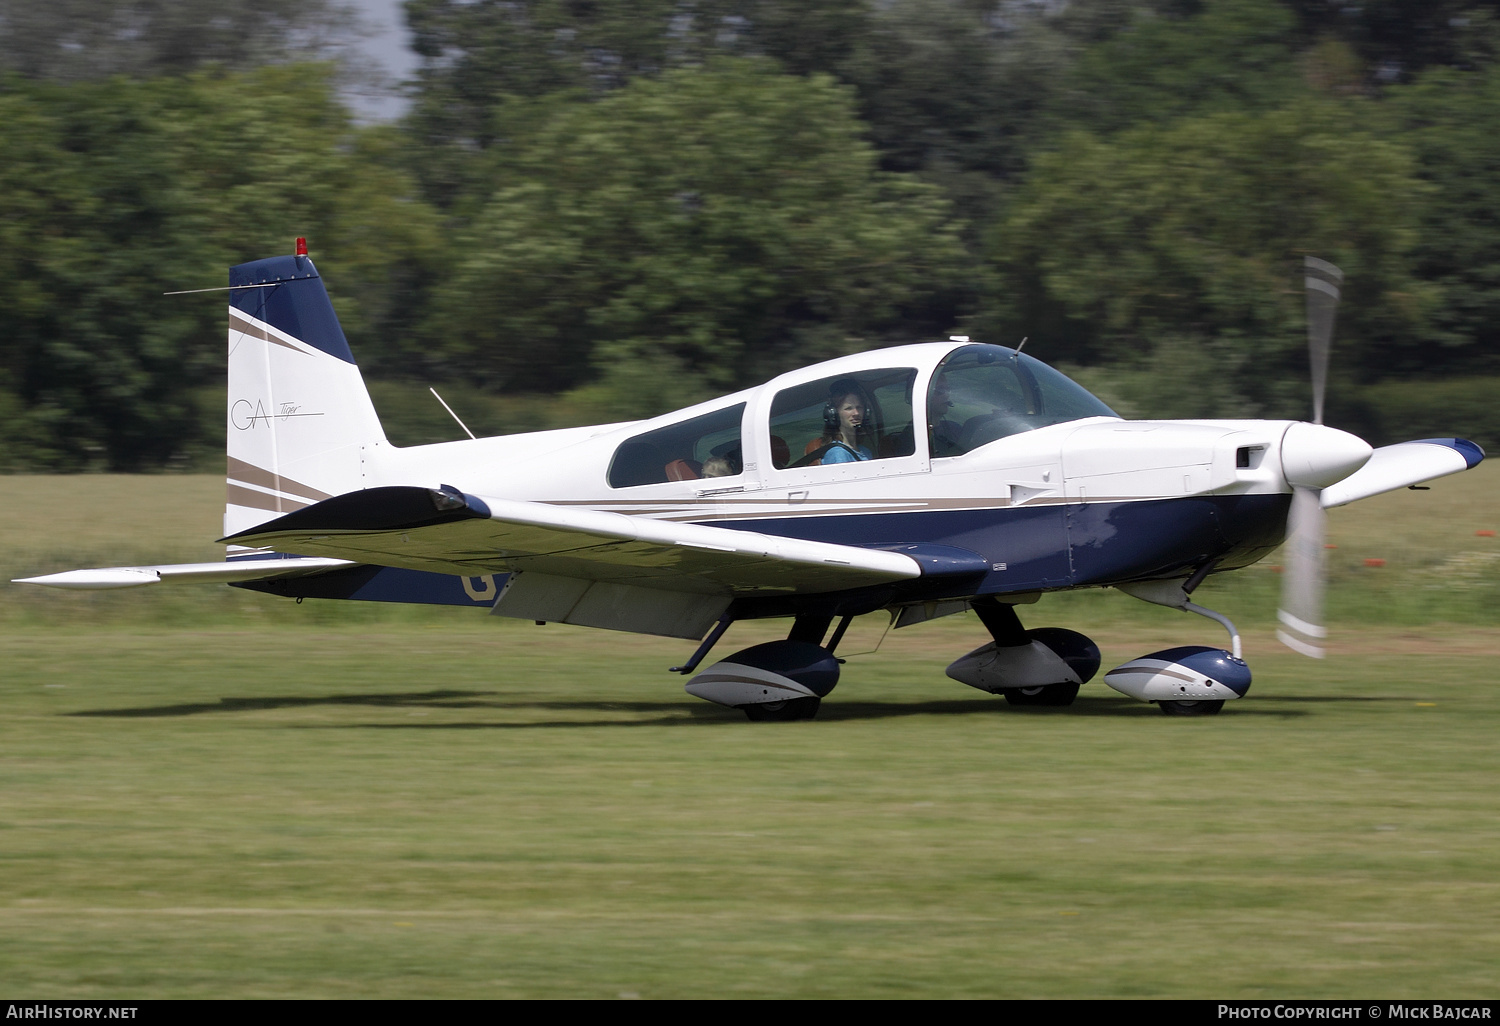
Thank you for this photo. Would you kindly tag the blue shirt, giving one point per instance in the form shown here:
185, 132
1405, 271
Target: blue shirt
840, 453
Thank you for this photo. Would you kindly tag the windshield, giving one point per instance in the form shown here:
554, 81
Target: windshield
984, 392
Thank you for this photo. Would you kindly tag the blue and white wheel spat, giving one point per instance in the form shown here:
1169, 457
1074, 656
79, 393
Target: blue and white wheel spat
777, 671
1192, 673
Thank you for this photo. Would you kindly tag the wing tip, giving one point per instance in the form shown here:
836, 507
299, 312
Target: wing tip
95, 580
1472, 452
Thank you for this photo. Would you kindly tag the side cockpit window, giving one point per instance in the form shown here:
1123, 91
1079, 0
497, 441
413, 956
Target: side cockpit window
844, 419
706, 446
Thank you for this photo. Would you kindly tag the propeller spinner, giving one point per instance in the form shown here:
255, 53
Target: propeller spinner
1312, 458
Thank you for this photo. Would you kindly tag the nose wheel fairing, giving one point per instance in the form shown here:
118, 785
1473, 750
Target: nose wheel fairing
1191, 680
1190, 673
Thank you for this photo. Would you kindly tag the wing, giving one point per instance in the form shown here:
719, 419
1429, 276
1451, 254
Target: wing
1407, 463
576, 565
448, 532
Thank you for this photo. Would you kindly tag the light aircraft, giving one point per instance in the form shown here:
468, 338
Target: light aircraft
922, 480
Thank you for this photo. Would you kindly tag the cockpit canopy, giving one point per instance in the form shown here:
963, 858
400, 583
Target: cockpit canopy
982, 392
976, 395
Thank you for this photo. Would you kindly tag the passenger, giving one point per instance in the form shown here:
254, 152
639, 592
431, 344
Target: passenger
717, 466
844, 425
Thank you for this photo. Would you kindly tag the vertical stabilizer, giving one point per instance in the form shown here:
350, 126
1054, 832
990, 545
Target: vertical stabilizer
299, 416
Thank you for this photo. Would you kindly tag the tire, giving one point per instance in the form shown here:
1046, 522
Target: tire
791, 710
1048, 694
1208, 707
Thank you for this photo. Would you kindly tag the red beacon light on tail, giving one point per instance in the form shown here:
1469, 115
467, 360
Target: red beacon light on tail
302, 247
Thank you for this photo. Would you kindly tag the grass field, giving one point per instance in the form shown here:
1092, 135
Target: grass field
215, 793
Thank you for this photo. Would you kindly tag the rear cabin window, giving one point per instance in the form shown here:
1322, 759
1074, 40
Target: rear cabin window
704, 447
844, 419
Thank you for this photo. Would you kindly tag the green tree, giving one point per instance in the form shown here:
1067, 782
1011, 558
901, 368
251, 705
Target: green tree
112, 193
481, 58
1448, 118
1172, 253
1399, 39
700, 230
947, 86
1228, 55
73, 40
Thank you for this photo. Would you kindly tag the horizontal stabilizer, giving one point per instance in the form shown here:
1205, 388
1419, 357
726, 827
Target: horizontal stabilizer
201, 573
446, 531
1407, 463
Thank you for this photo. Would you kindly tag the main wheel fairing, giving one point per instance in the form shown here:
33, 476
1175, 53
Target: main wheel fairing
777, 671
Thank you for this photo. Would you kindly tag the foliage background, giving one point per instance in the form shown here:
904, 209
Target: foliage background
603, 210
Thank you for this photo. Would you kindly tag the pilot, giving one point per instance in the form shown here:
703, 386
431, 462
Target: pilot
844, 425
942, 432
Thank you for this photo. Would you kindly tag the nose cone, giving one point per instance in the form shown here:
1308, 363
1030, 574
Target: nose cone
1315, 456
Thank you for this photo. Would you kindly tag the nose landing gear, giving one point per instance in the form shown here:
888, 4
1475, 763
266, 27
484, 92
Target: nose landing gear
1193, 680
1199, 708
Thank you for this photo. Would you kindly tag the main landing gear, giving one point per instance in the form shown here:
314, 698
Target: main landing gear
777, 682
1042, 667
782, 712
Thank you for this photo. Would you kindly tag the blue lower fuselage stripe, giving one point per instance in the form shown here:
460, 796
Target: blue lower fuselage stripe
1030, 548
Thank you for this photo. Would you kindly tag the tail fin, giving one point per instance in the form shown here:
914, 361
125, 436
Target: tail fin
299, 416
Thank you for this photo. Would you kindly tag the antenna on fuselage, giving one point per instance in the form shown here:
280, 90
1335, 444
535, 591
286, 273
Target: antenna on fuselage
450, 411
1023, 342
